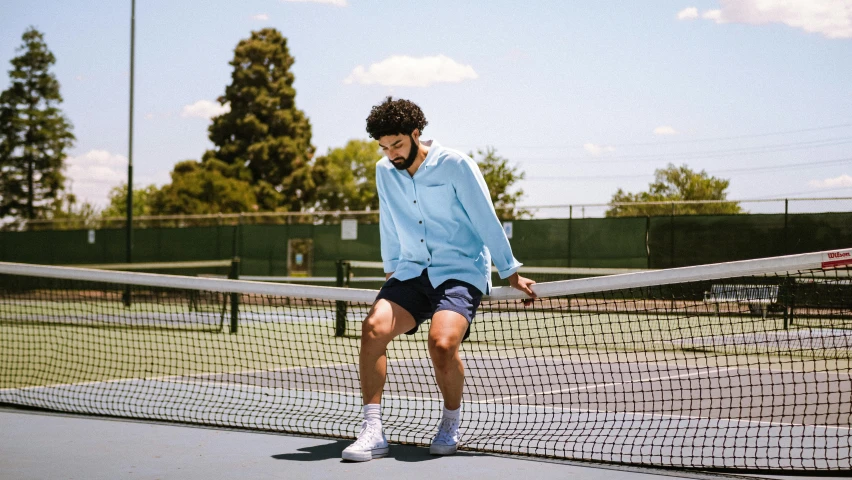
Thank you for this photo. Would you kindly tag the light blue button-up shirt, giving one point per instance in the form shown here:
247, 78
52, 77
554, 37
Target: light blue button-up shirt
441, 220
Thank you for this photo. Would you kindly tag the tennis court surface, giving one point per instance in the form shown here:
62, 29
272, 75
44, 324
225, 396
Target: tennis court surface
741, 366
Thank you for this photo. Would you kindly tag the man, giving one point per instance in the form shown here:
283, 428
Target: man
439, 235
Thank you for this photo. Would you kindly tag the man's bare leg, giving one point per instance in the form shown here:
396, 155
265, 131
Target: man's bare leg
385, 321
445, 336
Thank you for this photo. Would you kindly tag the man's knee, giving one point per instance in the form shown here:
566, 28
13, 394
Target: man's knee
444, 344
379, 324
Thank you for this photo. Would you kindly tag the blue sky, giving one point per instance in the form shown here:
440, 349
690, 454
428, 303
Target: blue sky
583, 96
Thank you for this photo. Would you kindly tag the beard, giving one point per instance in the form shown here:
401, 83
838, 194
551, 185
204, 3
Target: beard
412, 156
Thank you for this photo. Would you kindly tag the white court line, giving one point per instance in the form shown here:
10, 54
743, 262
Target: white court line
663, 364
688, 417
192, 375
413, 360
357, 395
602, 385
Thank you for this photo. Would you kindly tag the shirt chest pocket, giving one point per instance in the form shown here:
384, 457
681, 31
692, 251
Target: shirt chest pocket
437, 200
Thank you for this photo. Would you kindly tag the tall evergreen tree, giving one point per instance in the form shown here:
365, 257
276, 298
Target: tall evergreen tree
34, 135
264, 132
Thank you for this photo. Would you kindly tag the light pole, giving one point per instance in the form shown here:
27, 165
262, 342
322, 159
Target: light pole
129, 226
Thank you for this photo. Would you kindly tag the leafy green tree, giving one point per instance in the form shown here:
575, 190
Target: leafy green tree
68, 214
34, 135
346, 177
199, 188
142, 199
264, 133
501, 179
675, 184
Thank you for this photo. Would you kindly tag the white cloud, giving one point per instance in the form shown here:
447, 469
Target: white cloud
79, 78
841, 181
597, 150
715, 15
94, 173
149, 116
830, 18
260, 16
687, 13
405, 71
204, 109
665, 130
336, 3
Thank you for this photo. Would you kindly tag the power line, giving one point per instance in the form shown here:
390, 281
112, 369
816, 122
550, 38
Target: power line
735, 170
810, 192
695, 140
697, 155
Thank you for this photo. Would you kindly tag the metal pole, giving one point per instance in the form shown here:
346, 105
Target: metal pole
340, 310
786, 234
129, 226
672, 238
234, 274
648, 241
570, 221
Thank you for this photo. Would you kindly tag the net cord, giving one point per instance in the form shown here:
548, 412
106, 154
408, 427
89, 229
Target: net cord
789, 263
741, 268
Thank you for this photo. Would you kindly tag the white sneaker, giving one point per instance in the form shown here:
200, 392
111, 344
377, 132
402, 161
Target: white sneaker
371, 444
446, 442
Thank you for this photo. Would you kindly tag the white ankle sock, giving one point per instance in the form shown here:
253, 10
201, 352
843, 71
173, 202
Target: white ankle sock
452, 414
373, 413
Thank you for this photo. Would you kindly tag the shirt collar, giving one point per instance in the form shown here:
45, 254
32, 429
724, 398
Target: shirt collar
432, 156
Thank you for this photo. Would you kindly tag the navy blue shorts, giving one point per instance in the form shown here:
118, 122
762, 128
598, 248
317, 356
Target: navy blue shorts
419, 298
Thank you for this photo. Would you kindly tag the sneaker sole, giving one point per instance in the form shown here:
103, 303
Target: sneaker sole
365, 456
443, 449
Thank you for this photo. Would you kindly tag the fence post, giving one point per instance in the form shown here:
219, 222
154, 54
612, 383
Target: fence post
340, 310
672, 238
570, 221
786, 233
234, 274
648, 241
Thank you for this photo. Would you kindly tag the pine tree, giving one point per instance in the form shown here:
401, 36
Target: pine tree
34, 135
264, 132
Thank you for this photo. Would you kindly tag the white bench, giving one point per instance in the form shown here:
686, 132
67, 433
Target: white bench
758, 297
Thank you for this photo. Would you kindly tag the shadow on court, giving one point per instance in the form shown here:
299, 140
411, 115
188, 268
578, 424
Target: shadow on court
400, 453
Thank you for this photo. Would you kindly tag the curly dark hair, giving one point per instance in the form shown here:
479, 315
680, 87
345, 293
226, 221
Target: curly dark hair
395, 117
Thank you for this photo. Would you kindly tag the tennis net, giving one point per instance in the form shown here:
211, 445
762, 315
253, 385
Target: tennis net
739, 366
367, 273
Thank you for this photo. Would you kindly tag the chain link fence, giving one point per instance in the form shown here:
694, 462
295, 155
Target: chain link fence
578, 211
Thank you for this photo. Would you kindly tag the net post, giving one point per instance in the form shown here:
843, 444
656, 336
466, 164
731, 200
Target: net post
340, 310
234, 274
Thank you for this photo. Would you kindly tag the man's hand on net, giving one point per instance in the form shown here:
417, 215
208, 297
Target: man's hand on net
523, 284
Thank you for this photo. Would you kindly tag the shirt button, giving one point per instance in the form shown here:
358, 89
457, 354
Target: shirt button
421, 240
420, 222
415, 201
